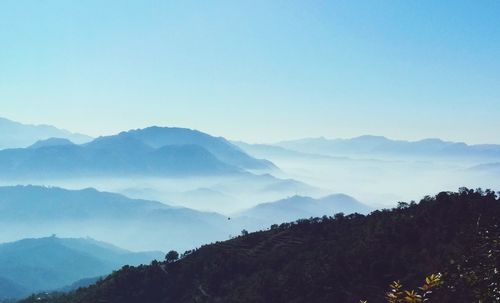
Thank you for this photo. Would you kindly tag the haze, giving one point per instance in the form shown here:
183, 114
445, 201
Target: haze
241, 141
256, 71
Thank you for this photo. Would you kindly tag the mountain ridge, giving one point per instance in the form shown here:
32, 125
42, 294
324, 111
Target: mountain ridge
298, 207
153, 151
20, 135
49, 263
157, 137
33, 211
381, 145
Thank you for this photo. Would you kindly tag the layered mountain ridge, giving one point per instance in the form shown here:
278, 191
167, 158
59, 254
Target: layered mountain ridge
49, 263
153, 151
19, 135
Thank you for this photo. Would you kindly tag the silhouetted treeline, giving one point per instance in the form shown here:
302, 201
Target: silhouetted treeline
330, 259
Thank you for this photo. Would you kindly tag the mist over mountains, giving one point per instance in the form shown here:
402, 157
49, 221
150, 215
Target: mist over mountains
34, 211
50, 263
51, 142
249, 151
163, 188
299, 207
18, 135
152, 151
174, 164
158, 137
379, 146
378, 170
290, 209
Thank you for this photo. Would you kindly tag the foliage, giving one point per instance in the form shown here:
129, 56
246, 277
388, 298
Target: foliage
475, 276
396, 294
331, 259
172, 256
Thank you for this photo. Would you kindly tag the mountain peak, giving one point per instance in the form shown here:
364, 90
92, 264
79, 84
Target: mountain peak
51, 142
222, 149
371, 138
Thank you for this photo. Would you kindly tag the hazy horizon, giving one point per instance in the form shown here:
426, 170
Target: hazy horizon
315, 136
257, 71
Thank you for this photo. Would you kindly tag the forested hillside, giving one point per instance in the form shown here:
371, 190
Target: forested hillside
330, 259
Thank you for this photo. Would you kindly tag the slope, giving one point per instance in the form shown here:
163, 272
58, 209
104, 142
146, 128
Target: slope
51, 263
341, 259
35, 211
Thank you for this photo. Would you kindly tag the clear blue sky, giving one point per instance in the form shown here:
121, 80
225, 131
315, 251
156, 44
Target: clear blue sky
260, 71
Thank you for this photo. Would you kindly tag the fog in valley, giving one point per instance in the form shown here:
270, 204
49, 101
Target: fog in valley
224, 202
158, 189
377, 181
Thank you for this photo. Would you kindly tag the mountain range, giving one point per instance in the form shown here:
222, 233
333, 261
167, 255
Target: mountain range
18, 135
381, 146
221, 148
34, 211
153, 151
50, 263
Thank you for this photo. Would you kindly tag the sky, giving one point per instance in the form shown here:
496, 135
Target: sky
259, 71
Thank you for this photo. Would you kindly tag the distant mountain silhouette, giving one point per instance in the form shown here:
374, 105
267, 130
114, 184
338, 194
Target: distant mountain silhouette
274, 151
149, 152
36, 203
16, 135
288, 185
51, 142
299, 207
269, 149
34, 211
379, 146
50, 263
157, 137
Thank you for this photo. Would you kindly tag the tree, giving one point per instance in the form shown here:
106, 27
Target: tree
339, 216
172, 256
403, 205
244, 232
